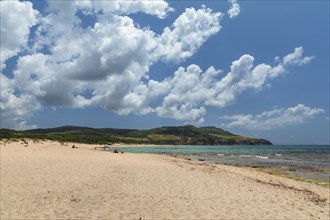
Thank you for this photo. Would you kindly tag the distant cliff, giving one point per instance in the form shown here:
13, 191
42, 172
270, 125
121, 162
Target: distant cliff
181, 135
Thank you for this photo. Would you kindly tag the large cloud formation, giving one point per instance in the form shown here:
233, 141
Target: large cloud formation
191, 89
65, 62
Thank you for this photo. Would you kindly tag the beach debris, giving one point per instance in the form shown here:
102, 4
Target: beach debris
309, 195
26, 142
75, 200
106, 147
63, 143
318, 169
73, 146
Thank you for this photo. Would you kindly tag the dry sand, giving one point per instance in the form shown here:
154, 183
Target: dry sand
50, 181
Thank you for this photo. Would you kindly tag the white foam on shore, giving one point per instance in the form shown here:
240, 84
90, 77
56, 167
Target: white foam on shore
262, 157
244, 155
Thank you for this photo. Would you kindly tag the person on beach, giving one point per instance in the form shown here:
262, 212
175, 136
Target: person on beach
115, 151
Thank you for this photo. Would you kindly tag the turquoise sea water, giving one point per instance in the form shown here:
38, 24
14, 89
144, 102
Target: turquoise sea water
309, 161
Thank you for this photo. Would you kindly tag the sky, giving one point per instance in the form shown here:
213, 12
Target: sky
255, 68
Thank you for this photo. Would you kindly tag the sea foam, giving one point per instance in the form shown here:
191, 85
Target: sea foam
262, 157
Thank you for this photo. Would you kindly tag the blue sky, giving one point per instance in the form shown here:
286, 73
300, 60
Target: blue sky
256, 68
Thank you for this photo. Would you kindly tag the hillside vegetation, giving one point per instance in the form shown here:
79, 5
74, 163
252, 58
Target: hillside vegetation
181, 135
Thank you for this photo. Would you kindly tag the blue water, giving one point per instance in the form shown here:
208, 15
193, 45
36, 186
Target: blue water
311, 161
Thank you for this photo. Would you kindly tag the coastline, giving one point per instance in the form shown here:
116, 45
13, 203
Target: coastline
293, 161
50, 180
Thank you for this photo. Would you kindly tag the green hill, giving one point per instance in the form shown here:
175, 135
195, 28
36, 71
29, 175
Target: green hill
181, 135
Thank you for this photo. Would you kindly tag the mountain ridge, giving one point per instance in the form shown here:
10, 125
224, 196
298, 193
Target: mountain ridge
169, 135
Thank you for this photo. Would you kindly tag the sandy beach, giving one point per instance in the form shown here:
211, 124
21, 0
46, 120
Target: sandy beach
53, 181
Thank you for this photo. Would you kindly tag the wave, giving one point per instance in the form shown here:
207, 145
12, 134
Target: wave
262, 157
244, 155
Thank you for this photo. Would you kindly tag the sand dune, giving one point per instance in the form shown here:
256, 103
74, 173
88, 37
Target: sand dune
50, 181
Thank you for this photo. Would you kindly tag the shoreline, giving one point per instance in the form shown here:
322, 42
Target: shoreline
285, 173
303, 175
50, 180
315, 174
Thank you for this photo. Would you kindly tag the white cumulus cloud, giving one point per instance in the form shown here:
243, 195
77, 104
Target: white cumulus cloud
234, 9
296, 58
16, 20
189, 31
190, 90
274, 118
187, 90
245, 75
156, 8
16, 108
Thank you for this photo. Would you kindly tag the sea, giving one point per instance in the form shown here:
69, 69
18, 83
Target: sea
303, 161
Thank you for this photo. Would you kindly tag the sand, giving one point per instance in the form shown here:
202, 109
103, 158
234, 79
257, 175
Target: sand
50, 181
